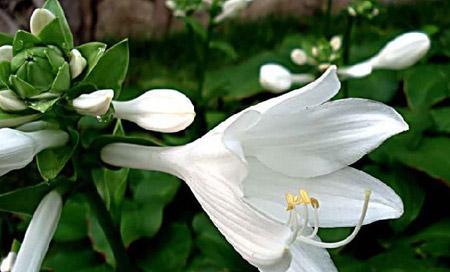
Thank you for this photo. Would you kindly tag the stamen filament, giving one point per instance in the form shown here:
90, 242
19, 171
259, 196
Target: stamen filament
316, 223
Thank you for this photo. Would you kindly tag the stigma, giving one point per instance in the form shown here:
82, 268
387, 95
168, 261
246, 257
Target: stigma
298, 207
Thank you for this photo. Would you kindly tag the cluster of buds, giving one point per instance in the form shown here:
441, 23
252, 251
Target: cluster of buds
363, 8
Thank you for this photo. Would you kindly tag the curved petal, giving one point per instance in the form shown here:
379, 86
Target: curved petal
307, 258
341, 195
319, 140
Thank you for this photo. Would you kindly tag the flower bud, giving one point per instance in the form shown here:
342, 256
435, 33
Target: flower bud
94, 104
8, 262
39, 20
77, 63
12, 120
356, 71
231, 8
160, 110
402, 52
9, 101
299, 57
6, 53
18, 148
275, 78
336, 43
39, 234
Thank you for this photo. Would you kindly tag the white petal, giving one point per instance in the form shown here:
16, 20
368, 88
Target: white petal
95, 104
340, 194
39, 20
6, 53
77, 63
322, 139
307, 258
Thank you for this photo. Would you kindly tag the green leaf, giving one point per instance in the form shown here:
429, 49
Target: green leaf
196, 26
24, 40
92, 52
225, 48
380, 86
63, 29
51, 162
43, 105
151, 191
99, 241
62, 79
5, 72
111, 185
175, 245
441, 118
6, 39
22, 88
53, 34
72, 225
111, 68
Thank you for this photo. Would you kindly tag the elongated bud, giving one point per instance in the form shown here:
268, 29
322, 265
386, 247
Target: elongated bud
275, 78
40, 19
39, 234
94, 104
160, 110
231, 8
19, 148
402, 52
299, 57
6, 53
12, 120
356, 71
77, 63
9, 101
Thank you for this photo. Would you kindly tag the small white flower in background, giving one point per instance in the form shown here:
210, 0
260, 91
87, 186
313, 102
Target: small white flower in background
336, 43
299, 56
9, 101
8, 262
94, 104
400, 53
276, 79
242, 171
6, 53
18, 148
40, 19
77, 63
231, 8
162, 110
39, 234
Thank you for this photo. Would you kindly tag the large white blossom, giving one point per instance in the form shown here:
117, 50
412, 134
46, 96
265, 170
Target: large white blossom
241, 171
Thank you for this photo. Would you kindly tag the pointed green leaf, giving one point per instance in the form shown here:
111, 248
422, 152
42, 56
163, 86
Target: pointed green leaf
92, 52
24, 40
6, 39
62, 79
5, 71
22, 88
55, 59
53, 34
64, 29
111, 68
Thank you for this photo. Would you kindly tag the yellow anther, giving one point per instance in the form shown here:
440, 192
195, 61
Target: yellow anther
314, 203
304, 197
291, 200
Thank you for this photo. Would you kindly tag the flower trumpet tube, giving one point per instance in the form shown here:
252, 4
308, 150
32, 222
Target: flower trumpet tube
277, 79
95, 104
39, 233
400, 53
162, 110
247, 171
19, 148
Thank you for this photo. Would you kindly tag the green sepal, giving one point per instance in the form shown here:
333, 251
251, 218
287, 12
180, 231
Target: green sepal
63, 26
62, 79
51, 162
92, 52
111, 68
55, 59
53, 34
5, 72
43, 105
24, 40
6, 39
22, 88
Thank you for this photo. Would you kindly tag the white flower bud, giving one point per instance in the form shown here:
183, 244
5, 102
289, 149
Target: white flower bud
336, 43
160, 110
39, 234
315, 51
231, 8
402, 52
18, 148
275, 78
12, 120
324, 66
351, 11
40, 19
77, 63
6, 53
356, 71
9, 101
94, 104
8, 262
299, 57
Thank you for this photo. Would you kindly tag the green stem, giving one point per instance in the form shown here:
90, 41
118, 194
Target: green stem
327, 30
346, 51
113, 236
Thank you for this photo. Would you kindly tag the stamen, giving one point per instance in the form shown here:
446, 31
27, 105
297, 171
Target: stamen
304, 197
291, 200
316, 220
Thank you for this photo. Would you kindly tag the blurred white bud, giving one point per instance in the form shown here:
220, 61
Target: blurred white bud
315, 51
77, 63
299, 57
351, 11
323, 66
160, 110
6, 53
275, 78
40, 19
336, 43
39, 234
231, 8
9, 101
171, 4
356, 71
402, 52
95, 104
19, 148
8, 262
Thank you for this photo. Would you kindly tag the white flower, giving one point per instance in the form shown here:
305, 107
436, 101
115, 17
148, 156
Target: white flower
6, 53
275, 78
77, 63
241, 170
9, 101
160, 110
18, 148
40, 19
94, 104
299, 57
39, 233
231, 8
400, 53
336, 43
8, 262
